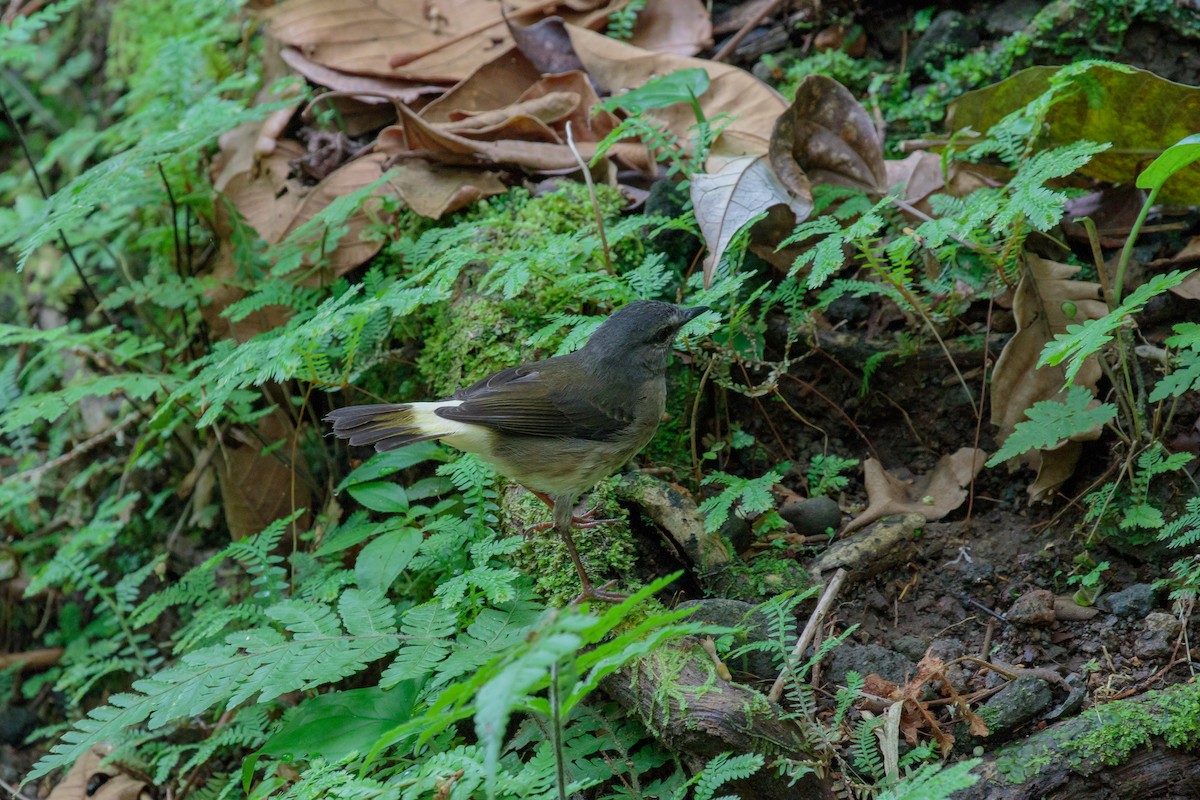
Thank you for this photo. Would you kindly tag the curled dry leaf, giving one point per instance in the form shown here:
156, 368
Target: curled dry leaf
826, 136
921, 175
1047, 299
88, 780
933, 496
365, 88
744, 189
425, 41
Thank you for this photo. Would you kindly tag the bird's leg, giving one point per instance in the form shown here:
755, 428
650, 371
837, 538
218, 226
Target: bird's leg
585, 520
563, 520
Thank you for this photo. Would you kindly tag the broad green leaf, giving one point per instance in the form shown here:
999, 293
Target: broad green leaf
682, 86
1173, 159
1051, 421
385, 496
383, 464
1141, 114
332, 726
385, 557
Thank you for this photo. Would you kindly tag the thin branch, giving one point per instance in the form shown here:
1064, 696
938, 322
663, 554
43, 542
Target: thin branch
591, 187
810, 631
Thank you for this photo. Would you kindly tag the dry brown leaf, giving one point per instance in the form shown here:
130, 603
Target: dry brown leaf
494, 84
529, 121
933, 496
743, 189
88, 780
432, 190
826, 136
1190, 288
1040, 309
417, 136
351, 250
678, 27
424, 41
753, 106
588, 123
365, 88
920, 175
258, 489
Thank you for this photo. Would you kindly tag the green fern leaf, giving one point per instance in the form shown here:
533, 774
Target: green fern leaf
1051, 421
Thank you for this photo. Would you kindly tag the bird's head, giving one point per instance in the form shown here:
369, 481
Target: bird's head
640, 334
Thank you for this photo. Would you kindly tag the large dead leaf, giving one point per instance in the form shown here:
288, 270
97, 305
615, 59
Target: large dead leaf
1046, 300
425, 41
745, 188
826, 136
258, 489
752, 106
933, 496
678, 27
1139, 112
365, 88
921, 174
88, 780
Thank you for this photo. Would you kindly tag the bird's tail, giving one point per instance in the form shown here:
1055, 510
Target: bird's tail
386, 426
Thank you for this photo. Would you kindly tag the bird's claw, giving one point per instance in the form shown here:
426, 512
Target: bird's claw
600, 595
588, 519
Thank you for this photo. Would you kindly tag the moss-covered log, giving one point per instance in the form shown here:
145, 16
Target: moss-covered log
678, 695
1144, 747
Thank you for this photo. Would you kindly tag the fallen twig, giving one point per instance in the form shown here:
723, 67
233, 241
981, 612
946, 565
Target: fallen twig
810, 630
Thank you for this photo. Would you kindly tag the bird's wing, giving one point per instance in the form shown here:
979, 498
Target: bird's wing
519, 400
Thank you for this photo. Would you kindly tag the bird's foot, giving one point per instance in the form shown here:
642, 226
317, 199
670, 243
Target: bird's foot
588, 519
600, 595
585, 520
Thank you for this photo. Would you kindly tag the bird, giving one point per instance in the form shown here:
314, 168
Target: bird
556, 426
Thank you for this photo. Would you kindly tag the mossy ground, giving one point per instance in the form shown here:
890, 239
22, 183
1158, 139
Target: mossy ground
608, 551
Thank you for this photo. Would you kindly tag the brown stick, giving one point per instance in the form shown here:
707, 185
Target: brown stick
32, 659
810, 631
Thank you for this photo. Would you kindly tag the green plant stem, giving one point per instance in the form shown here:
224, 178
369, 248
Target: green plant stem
560, 767
591, 187
1127, 250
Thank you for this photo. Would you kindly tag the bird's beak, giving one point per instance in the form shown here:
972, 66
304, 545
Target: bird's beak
690, 314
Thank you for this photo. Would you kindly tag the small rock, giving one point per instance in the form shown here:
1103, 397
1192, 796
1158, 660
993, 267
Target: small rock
733, 613
951, 33
1134, 601
1159, 637
16, 722
866, 659
737, 531
868, 553
910, 646
976, 573
1033, 608
814, 516
1067, 610
847, 309
1011, 16
1019, 702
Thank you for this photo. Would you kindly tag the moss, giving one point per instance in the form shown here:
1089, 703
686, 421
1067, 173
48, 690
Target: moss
671, 445
607, 551
764, 577
1107, 735
481, 336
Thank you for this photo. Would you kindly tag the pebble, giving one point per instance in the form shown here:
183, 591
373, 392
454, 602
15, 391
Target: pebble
1033, 608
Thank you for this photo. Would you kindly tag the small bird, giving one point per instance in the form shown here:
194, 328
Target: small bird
556, 426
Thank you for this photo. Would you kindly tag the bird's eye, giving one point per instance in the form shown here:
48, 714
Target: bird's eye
663, 335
